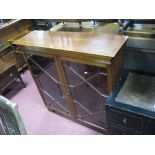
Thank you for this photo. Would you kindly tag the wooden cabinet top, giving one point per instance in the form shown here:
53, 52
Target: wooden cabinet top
85, 43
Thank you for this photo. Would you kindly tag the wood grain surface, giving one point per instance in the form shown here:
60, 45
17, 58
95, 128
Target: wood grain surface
85, 43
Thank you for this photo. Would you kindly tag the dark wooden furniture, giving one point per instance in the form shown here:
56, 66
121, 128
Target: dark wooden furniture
74, 71
130, 108
124, 122
10, 60
12, 29
8, 76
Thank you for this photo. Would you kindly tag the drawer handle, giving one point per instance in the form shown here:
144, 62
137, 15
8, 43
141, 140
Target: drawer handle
124, 121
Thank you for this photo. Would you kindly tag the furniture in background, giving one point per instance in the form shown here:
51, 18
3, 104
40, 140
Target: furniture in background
10, 120
43, 24
10, 61
10, 31
8, 76
130, 108
83, 25
75, 72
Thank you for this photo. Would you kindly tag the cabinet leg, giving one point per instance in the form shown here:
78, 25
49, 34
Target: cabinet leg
22, 82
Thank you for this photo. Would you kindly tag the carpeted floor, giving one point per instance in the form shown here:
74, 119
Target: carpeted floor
37, 119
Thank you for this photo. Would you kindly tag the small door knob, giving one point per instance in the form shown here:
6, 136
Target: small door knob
124, 121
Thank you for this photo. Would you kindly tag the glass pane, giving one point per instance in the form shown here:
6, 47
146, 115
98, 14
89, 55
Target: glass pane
45, 74
88, 85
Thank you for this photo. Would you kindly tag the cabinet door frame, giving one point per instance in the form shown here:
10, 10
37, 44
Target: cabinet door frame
58, 60
65, 87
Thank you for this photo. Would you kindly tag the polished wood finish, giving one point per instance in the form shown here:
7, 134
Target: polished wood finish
80, 44
115, 69
23, 33
65, 87
91, 48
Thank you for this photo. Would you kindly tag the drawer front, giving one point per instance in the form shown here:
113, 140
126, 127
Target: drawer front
8, 76
118, 131
150, 128
126, 121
